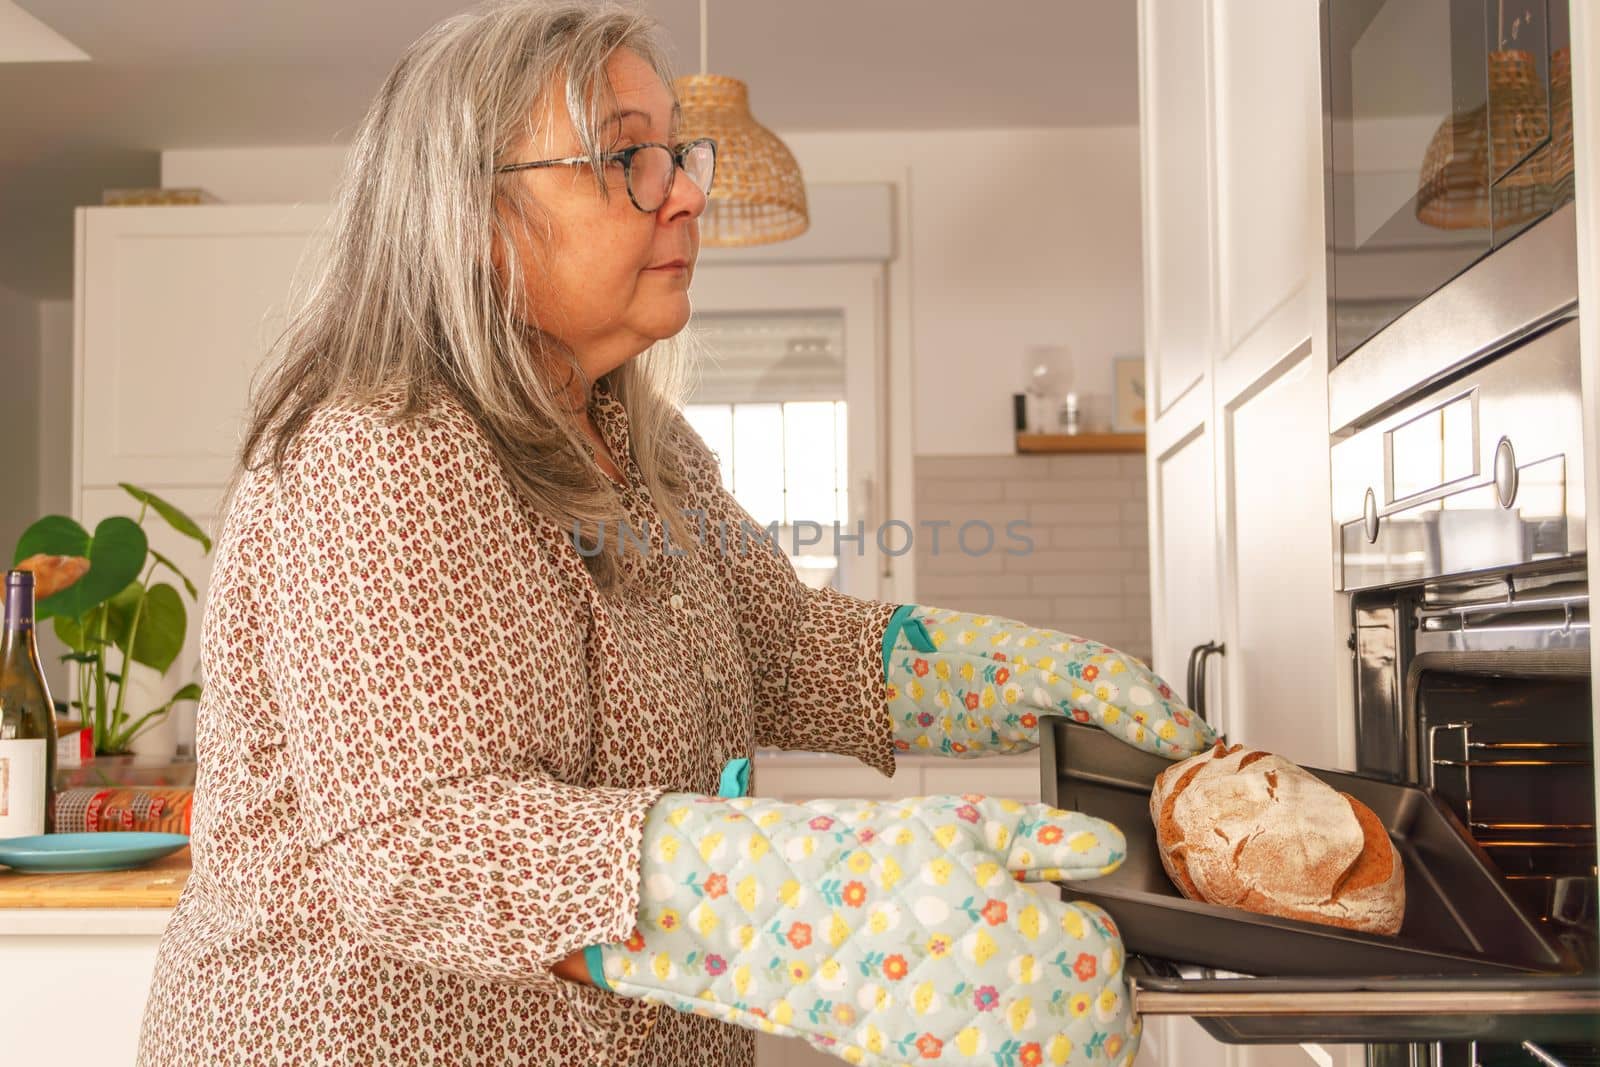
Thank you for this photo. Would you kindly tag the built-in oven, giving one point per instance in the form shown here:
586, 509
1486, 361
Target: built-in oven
1459, 521
1449, 133
1460, 529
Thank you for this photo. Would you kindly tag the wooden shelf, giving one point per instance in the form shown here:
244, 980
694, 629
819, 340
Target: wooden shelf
1080, 442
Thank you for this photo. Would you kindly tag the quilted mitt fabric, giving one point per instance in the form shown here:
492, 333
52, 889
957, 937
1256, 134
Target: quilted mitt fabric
967, 685
884, 933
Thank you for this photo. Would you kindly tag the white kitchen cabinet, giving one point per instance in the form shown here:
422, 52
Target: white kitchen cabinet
1237, 358
175, 309
176, 306
88, 970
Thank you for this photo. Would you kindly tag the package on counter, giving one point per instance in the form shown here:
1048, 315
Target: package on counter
149, 809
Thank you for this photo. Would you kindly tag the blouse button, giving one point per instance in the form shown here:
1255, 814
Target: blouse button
706, 671
677, 600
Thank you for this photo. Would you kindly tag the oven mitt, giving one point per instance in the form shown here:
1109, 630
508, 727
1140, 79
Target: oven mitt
975, 685
882, 932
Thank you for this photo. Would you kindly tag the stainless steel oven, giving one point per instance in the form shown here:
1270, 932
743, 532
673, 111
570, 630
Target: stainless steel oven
1458, 517
1449, 133
1460, 522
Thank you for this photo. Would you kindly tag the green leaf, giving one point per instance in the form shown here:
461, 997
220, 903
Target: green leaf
161, 628
116, 555
119, 614
194, 594
70, 631
191, 691
175, 518
53, 535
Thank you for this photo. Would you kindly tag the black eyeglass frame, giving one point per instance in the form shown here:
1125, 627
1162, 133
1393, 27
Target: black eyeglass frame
626, 155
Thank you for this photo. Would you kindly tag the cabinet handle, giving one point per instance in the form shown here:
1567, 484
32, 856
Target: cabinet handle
1197, 674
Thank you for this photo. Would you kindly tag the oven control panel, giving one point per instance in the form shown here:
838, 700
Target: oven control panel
1483, 473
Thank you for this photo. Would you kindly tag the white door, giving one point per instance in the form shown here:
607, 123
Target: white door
851, 296
1235, 334
176, 306
1270, 376
175, 309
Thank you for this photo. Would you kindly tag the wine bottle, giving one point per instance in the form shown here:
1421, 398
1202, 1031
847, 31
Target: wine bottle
27, 719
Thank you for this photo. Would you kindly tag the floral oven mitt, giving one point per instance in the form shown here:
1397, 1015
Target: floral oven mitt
972, 685
884, 933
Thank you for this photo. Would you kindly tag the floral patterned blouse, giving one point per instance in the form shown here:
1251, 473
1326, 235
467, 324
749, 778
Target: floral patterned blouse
428, 743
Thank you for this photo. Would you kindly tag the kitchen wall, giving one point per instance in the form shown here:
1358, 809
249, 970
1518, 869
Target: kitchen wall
20, 416
1081, 563
35, 430
55, 451
1006, 238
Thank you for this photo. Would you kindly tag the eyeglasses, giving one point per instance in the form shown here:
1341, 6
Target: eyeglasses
649, 169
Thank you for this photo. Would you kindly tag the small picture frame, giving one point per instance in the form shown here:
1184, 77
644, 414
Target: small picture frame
1127, 395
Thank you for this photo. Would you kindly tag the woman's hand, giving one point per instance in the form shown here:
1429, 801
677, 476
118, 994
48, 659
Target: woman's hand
883, 932
573, 969
972, 685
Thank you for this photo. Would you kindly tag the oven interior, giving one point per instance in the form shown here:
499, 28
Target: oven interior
1479, 689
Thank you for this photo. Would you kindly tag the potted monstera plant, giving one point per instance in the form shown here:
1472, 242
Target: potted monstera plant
113, 606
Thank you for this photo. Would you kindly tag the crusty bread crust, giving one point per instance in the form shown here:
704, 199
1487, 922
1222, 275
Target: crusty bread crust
1249, 829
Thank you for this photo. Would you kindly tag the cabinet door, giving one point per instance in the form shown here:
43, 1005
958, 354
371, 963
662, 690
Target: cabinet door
1185, 585
1175, 143
1270, 386
1283, 653
176, 306
1268, 157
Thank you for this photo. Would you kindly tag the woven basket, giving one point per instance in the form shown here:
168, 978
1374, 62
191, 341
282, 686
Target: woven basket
1561, 177
758, 196
1453, 190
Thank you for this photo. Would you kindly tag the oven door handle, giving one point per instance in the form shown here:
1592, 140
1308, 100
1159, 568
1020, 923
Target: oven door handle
1196, 687
1366, 1002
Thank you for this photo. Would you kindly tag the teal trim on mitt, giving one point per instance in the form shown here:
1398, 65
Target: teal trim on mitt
735, 780
593, 960
916, 633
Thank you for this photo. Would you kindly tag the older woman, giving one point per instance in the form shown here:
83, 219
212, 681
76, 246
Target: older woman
469, 770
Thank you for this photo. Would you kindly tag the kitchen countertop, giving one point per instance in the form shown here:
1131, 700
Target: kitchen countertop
154, 885
139, 901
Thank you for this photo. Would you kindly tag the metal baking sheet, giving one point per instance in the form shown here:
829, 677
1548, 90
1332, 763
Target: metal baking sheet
1459, 918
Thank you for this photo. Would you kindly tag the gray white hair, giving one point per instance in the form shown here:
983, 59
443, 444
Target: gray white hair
407, 299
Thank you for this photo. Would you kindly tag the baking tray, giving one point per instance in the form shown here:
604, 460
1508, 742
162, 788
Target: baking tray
1459, 918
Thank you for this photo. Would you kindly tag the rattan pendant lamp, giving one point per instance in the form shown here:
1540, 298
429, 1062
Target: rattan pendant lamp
1461, 184
759, 196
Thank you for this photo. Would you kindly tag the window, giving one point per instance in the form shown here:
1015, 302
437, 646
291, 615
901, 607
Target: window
771, 404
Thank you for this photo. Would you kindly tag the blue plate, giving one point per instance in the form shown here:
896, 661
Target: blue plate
113, 850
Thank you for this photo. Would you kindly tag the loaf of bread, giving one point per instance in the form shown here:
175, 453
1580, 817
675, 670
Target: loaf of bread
1251, 830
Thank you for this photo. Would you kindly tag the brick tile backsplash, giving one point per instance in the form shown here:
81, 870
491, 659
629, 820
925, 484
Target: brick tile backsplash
1088, 570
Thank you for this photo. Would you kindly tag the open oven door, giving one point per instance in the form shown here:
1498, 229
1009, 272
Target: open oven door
1468, 964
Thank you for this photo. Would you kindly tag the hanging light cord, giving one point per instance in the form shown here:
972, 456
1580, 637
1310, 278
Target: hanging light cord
704, 67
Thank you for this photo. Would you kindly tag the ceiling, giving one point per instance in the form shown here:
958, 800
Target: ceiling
237, 73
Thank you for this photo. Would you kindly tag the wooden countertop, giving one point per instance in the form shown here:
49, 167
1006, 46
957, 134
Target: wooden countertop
155, 885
